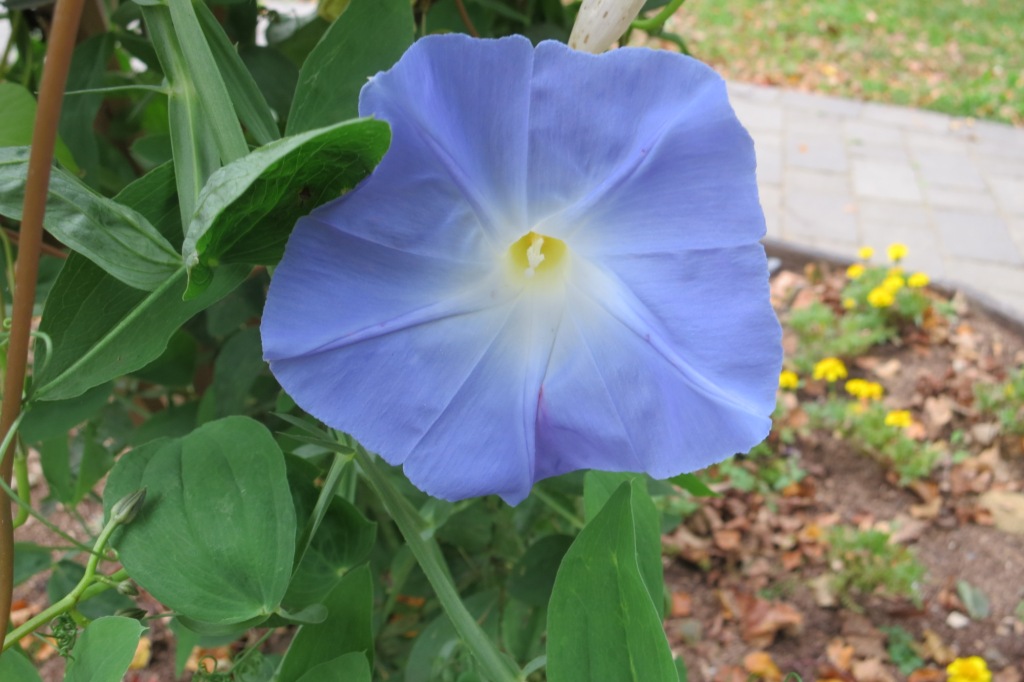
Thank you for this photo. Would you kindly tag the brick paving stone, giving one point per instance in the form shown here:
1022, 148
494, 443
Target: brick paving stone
977, 236
835, 174
881, 179
1009, 192
948, 169
816, 151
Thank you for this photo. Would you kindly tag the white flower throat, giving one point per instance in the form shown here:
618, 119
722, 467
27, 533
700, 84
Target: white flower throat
537, 259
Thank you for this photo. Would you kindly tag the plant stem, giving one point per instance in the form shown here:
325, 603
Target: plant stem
496, 667
323, 503
70, 601
66, 16
657, 22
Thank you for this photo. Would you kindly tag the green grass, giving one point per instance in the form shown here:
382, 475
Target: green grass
961, 57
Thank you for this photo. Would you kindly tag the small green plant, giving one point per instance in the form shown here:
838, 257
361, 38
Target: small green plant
900, 646
879, 433
1005, 401
867, 563
823, 333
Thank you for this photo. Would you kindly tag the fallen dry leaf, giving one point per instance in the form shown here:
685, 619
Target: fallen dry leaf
928, 510
840, 654
822, 591
731, 673
937, 411
727, 539
761, 620
682, 604
927, 675
1007, 510
933, 648
143, 652
761, 665
866, 640
871, 670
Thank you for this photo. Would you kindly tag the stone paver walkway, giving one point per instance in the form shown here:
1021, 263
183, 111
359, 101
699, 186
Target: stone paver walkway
836, 174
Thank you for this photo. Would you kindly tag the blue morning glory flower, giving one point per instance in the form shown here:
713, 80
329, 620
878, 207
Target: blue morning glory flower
555, 267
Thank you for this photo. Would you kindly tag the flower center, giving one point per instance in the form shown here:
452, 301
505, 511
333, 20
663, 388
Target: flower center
537, 257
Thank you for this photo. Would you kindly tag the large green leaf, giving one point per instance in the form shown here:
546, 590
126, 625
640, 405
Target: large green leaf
17, 119
78, 113
48, 420
216, 537
101, 328
351, 667
249, 103
113, 236
369, 37
598, 487
348, 628
16, 667
248, 208
344, 538
602, 624
104, 650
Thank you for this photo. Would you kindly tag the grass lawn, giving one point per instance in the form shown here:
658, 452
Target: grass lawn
961, 57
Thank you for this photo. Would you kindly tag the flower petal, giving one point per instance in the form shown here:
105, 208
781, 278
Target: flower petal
657, 161
459, 131
642, 383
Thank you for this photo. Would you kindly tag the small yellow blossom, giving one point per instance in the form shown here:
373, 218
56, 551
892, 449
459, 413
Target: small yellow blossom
855, 271
900, 418
849, 303
893, 283
788, 380
830, 369
880, 297
972, 669
897, 252
865, 252
866, 390
918, 280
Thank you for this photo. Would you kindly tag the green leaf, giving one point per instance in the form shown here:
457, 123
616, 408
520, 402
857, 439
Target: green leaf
533, 577
29, 559
202, 74
115, 237
239, 363
104, 650
275, 75
369, 37
598, 487
193, 142
343, 540
66, 575
103, 329
45, 421
348, 628
16, 667
216, 537
248, 208
351, 667
975, 600
602, 623
692, 484
437, 645
248, 101
78, 114
17, 120
176, 366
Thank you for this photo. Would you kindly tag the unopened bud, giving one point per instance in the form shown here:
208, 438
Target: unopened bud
128, 588
137, 614
128, 507
601, 22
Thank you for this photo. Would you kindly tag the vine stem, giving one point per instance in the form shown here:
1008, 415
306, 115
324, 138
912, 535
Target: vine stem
61, 44
496, 667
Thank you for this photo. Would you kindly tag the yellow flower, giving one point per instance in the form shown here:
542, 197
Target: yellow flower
788, 380
855, 271
893, 283
866, 390
849, 303
880, 297
865, 252
900, 418
830, 369
897, 252
918, 280
972, 669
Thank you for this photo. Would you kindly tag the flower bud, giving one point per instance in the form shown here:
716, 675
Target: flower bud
125, 510
137, 614
128, 588
601, 22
